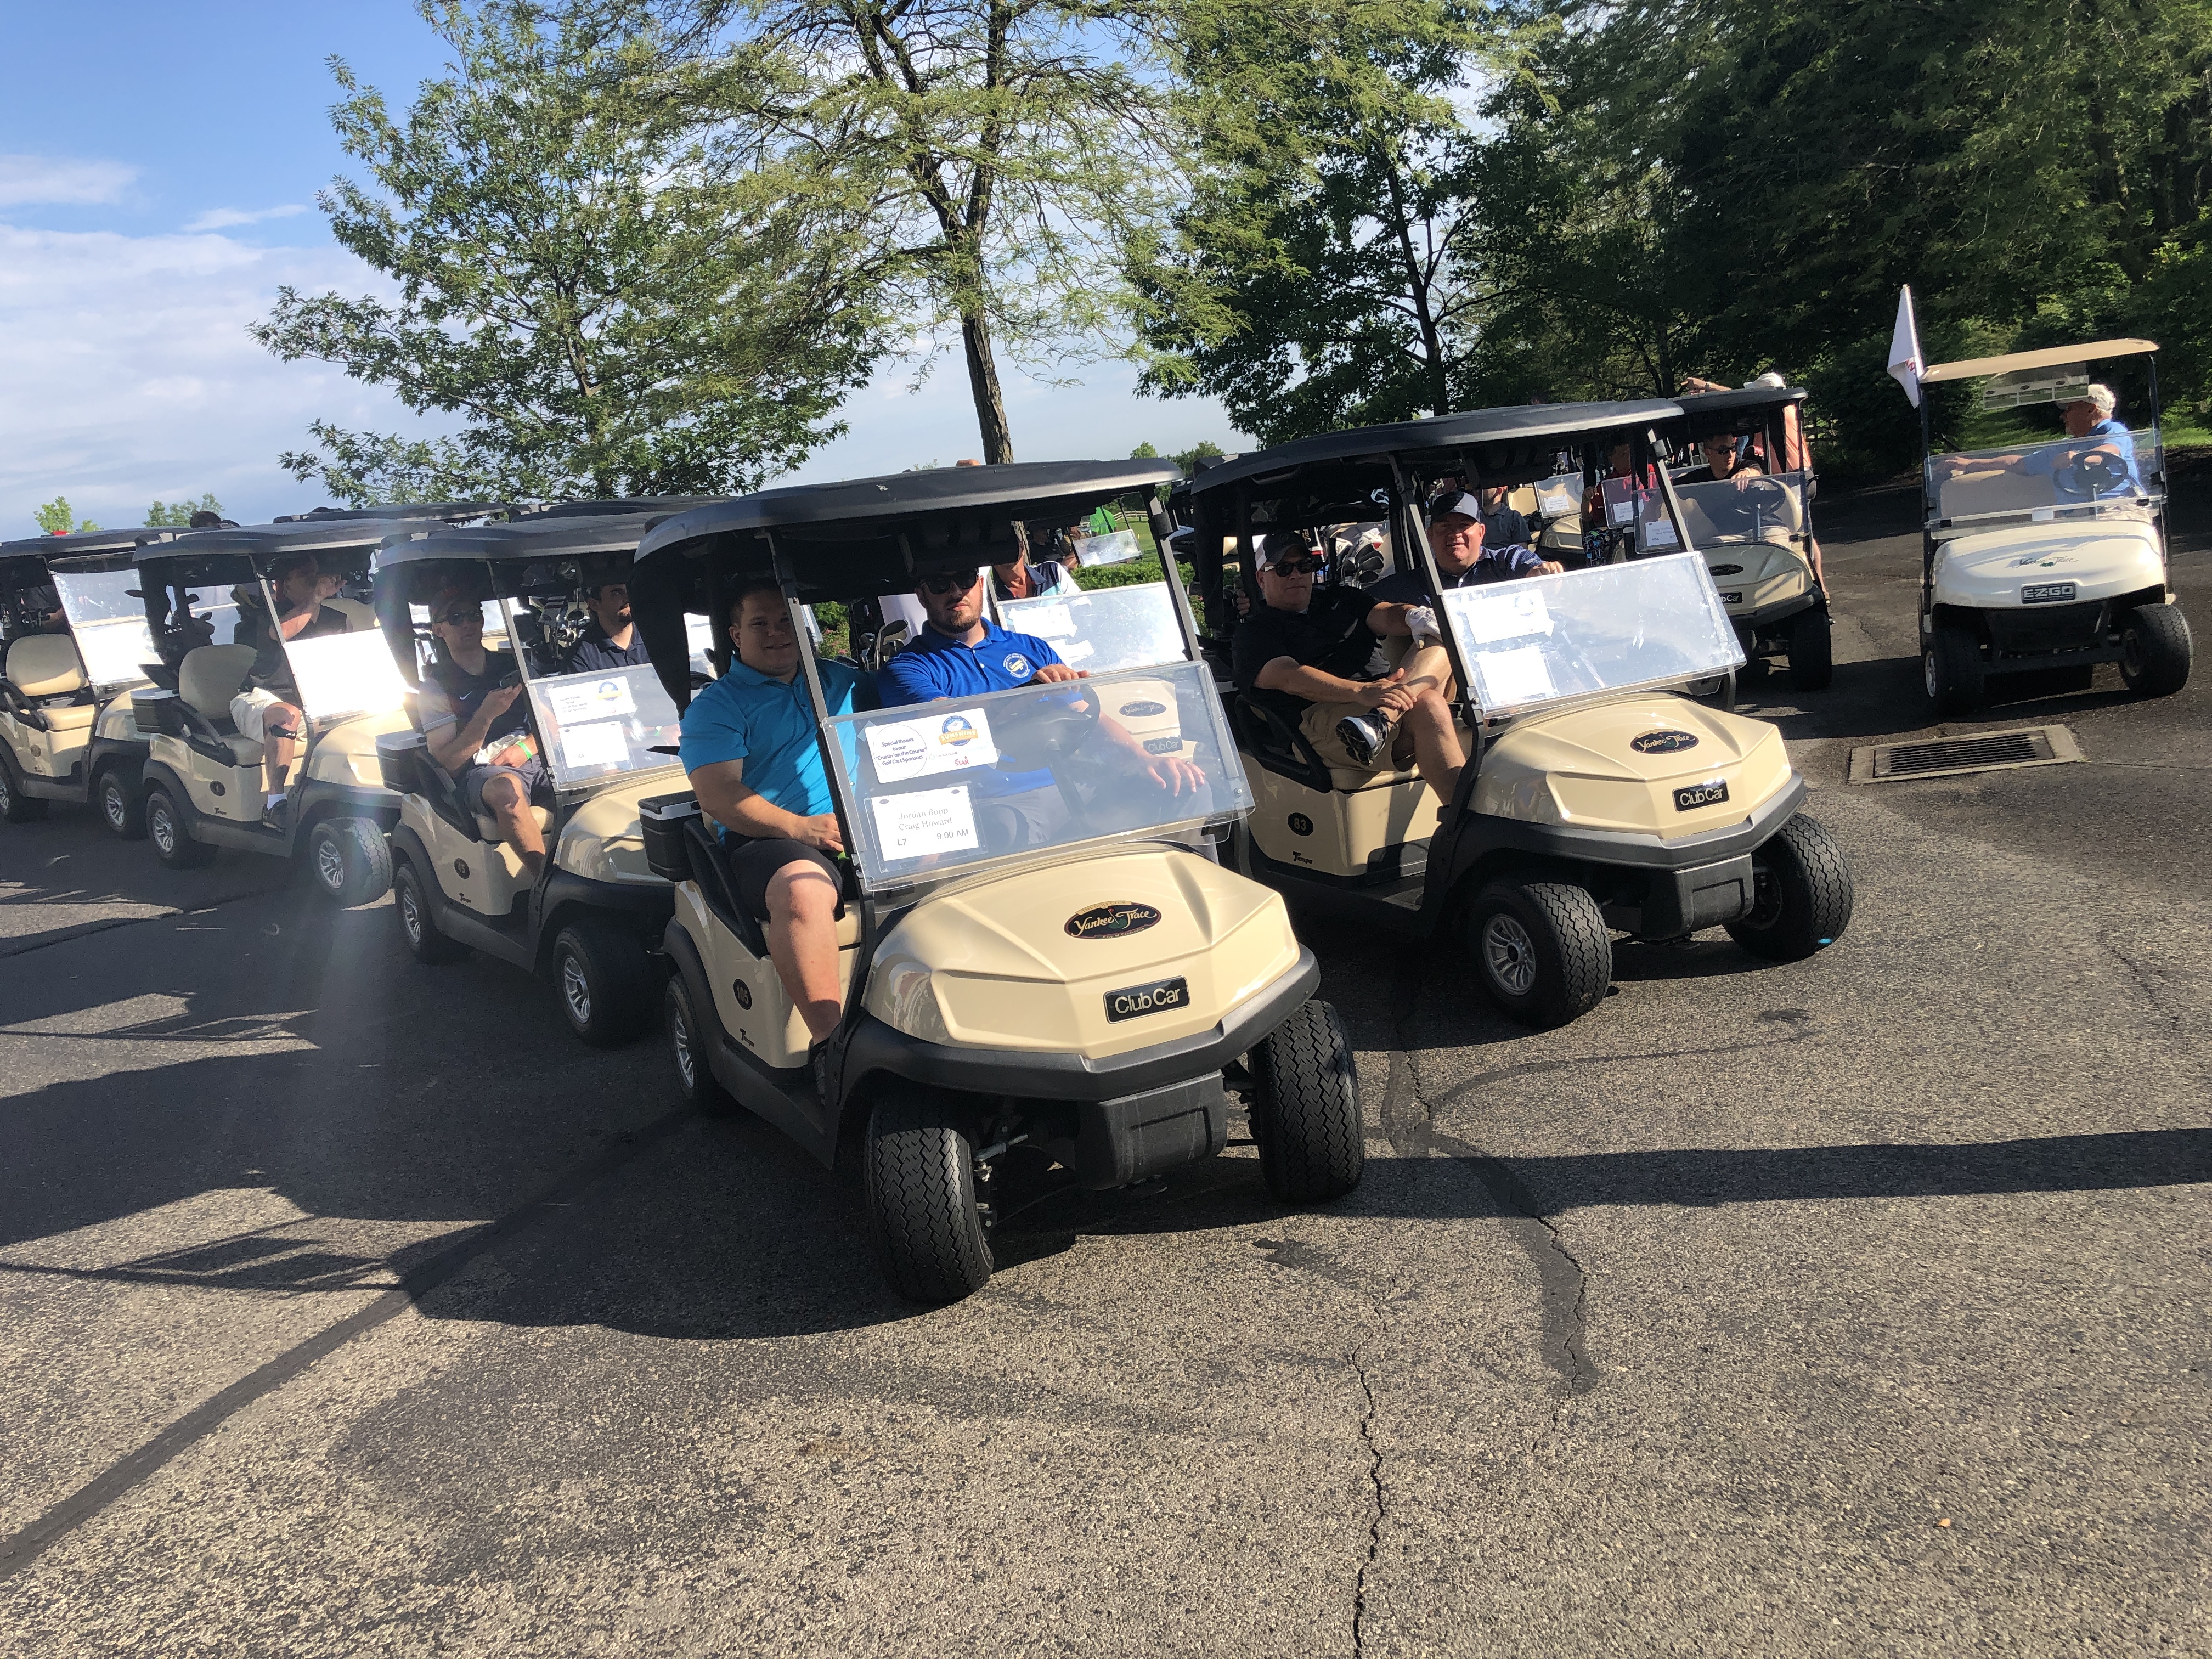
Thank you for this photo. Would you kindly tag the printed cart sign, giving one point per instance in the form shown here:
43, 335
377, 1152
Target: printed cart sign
1516, 675
1506, 612
938, 743
928, 821
591, 700
599, 743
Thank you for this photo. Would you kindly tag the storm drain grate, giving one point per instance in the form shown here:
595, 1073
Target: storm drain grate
1986, 751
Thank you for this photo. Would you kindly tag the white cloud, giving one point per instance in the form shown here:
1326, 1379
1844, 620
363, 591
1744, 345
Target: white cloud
225, 218
26, 180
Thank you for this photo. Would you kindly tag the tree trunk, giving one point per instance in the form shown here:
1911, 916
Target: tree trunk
983, 381
1417, 286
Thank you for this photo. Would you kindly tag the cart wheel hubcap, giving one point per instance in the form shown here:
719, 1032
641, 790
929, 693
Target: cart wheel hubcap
576, 990
111, 802
1927, 673
329, 861
165, 833
679, 1030
410, 918
1509, 954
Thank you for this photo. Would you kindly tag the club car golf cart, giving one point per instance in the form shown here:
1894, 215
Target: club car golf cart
1755, 530
65, 735
1037, 947
2049, 552
1597, 798
204, 783
607, 736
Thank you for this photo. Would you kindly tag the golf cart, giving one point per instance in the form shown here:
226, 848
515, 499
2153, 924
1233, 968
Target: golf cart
1755, 530
594, 916
204, 783
2049, 554
1597, 798
65, 733
1037, 947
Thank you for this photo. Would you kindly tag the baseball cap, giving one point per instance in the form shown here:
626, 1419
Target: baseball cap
1282, 544
1460, 502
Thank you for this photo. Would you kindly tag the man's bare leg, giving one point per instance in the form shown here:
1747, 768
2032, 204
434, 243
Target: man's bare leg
802, 943
278, 746
1428, 738
518, 824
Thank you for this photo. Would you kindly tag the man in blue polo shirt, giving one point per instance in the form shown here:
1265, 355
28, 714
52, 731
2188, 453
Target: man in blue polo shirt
748, 745
961, 653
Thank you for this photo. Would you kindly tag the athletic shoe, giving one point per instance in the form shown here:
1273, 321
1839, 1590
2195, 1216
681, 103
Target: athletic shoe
1363, 737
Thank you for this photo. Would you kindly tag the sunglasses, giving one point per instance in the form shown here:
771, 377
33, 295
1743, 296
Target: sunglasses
948, 583
1297, 566
455, 618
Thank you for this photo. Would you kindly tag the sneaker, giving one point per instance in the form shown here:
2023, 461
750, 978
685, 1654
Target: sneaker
272, 808
817, 1067
1363, 737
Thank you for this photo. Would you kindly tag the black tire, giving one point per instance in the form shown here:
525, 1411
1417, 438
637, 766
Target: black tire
923, 1217
411, 905
173, 842
605, 983
688, 1038
1803, 899
1812, 651
1951, 671
1305, 1108
2154, 650
1542, 949
350, 861
122, 804
15, 806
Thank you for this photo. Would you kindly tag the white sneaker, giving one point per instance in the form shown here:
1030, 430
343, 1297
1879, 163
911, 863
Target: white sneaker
1363, 736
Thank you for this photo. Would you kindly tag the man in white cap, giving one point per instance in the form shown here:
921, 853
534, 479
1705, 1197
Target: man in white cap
2096, 459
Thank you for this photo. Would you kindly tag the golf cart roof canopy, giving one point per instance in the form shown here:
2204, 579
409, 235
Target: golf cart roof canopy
445, 512
86, 541
245, 554
526, 539
1504, 446
1971, 368
624, 507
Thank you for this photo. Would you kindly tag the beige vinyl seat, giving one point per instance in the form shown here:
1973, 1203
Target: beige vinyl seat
359, 617
208, 678
45, 670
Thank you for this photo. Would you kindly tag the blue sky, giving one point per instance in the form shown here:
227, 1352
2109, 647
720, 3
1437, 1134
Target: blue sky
158, 170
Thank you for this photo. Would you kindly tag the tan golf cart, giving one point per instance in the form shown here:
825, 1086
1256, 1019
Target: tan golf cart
592, 920
1079, 976
1599, 799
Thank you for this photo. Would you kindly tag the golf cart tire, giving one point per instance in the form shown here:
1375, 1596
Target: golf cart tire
2154, 650
1812, 651
1557, 934
122, 808
1305, 1108
922, 1212
173, 842
15, 806
1951, 671
1801, 901
604, 979
349, 860
418, 921
687, 1039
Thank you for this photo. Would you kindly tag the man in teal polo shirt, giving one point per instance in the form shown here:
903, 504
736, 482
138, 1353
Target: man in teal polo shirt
750, 747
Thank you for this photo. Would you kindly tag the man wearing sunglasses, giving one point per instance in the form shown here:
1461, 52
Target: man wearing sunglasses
1316, 659
476, 725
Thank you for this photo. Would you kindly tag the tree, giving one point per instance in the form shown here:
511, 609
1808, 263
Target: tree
612, 278
1144, 452
180, 513
1186, 461
1322, 272
1005, 150
54, 518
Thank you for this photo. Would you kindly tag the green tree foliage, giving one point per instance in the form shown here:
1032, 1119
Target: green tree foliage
604, 267
176, 514
54, 518
1325, 269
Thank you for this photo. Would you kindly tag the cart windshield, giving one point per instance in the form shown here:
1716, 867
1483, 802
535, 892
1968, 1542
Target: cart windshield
341, 675
1751, 506
603, 723
1098, 632
109, 623
941, 787
1545, 639
2119, 474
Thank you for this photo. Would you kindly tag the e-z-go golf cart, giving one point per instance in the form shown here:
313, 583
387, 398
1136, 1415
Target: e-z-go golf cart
1756, 530
204, 784
592, 920
2048, 552
65, 734
1597, 798
1037, 947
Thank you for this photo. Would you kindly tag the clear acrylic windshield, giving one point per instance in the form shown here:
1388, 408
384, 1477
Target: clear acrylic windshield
1616, 627
939, 788
343, 674
2118, 475
1558, 496
1114, 628
601, 723
109, 623
1751, 506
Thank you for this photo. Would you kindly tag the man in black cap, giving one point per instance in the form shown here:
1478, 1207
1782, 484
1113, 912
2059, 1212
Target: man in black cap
1465, 556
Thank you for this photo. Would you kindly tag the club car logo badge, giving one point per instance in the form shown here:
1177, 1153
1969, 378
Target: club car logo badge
1017, 665
1114, 920
957, 732
1663, 743
1701, 794
1135, 1002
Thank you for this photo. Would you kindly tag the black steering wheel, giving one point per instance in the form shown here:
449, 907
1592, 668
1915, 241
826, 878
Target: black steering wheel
1051, 729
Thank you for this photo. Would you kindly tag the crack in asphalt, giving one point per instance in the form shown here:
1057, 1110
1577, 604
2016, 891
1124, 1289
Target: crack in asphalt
1381, 1503
69, 935
2144, 983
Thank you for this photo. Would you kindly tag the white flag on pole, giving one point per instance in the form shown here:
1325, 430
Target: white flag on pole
1905, 361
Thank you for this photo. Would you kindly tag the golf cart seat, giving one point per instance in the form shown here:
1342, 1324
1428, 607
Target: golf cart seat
683, 844
209, 677
46, 682
1282, 749
359, 617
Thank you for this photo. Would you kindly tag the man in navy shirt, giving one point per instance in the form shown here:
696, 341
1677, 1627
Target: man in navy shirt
750, 749
961, 653
610, 639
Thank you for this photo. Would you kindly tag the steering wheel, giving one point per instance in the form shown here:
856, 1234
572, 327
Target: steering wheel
1052, 729
2099, 473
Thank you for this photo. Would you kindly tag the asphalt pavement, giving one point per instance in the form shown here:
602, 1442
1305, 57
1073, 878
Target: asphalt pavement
350, 1307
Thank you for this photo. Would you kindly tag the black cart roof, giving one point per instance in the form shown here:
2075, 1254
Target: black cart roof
1746, 410
443, 512
523, 540
245, 554
83, 541
624, 507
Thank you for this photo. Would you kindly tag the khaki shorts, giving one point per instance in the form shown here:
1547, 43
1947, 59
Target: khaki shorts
1318, 724
248, 710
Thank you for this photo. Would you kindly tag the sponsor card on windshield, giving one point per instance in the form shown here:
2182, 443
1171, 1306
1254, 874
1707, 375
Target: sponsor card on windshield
1514, 677
1051, 621
579, 700
928, 821
1502, 612
599, 743
936, 743
1660, 532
